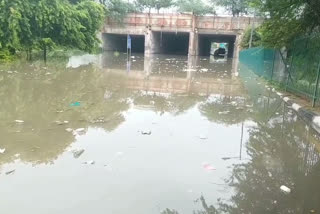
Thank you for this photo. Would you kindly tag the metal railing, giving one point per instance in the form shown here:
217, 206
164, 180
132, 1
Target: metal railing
297, 70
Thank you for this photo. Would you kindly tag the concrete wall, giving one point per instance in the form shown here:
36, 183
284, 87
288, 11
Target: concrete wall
150, 25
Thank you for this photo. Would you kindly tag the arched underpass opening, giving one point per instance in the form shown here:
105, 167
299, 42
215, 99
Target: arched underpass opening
208, 44
118, 42
171, 43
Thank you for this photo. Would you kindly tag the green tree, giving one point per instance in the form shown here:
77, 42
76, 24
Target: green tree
287, 20
236, 7
256, 38
154, 4
196, 7
146, 4
43, 24
118, 9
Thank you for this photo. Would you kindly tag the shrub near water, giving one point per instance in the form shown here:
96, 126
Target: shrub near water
45, 24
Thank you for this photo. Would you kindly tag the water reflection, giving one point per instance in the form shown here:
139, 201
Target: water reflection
197, 110
278, 156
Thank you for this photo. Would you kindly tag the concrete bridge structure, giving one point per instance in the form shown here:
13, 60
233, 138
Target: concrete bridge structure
175, 33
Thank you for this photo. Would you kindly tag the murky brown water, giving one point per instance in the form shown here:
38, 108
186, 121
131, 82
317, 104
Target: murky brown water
166, 135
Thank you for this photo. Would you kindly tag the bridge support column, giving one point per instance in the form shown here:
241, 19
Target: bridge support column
193, 44
148, 42
152, 43
236, 49
236, 52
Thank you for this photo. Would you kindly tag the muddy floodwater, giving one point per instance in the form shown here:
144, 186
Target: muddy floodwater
162, 134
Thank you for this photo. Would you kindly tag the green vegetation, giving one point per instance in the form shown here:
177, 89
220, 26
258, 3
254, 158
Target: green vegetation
196, 7
117, 9
44, 24
236, 7
256, 38
154, 4
287, 20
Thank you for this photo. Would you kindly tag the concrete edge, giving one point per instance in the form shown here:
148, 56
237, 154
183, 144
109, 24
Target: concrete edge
311, 118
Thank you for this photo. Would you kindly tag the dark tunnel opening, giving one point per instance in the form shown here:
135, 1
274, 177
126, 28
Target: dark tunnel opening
171, 43
118, 42
205, 41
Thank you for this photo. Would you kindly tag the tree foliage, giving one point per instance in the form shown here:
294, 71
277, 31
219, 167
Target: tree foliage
43, 24
154, 4
117, 9
287, 20
236, 7
256, 38
196, 7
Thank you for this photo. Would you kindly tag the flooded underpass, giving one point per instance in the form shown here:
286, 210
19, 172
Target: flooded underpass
162, 134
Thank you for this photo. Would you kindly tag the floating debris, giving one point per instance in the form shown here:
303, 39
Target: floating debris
204, 69
146, 132
19, 121
286, 99
75, 104
2, 151
10, 172
208, 166
17, 155
107, 95
79, 131
316, 120
77, 153
224, 112
91, 162
61, 122
203, 137
296, 106
69, 129
226, 158
285, 189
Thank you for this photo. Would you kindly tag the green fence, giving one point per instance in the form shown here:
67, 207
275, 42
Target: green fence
297, 70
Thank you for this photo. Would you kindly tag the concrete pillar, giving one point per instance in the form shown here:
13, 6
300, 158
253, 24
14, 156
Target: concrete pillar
236, 49
193, 44
148, 65
194, 38
152, 43
148, 42
236, 52
192, 65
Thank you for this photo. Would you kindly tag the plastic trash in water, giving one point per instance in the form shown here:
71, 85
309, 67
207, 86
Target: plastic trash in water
61, 122
2, 151
75, 104
77, 153
224, 112
203, 137
208, 166
91, 162
19, 121
69, 129
285, 189
79, 131
146, 132
10, 172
